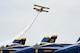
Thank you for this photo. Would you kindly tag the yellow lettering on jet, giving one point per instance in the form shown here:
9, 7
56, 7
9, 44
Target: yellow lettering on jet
48, 50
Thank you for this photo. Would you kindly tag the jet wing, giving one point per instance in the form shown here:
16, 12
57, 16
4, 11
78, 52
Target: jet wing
42, 47
53, 48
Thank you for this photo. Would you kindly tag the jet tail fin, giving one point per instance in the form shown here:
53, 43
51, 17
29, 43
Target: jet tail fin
48, 39
20, 41
53, 39
23, 41
78, 39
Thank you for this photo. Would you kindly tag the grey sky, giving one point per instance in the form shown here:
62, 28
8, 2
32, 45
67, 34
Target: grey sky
63, 19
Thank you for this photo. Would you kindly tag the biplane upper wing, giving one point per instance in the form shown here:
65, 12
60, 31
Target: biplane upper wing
41, 6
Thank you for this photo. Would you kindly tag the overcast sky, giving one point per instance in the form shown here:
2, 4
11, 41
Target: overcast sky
63, 19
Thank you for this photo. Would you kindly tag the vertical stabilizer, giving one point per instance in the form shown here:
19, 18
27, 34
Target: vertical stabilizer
20, 41
53, 38
78, 39
23, 41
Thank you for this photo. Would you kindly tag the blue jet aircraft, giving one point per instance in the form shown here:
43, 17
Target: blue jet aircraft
51, 48
70, 49
19, 43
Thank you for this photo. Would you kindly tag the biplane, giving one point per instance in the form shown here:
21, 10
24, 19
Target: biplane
40, 8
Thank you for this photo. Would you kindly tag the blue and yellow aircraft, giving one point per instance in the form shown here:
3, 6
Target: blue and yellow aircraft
19, 43
48, 39
70, 49
50, 48
47, 45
